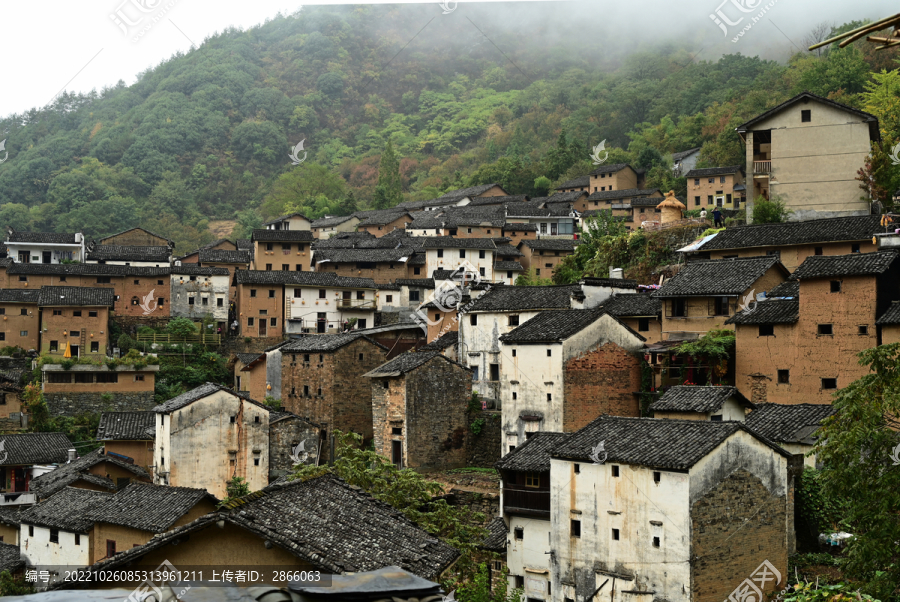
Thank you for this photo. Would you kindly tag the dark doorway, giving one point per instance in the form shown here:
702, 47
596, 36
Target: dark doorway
321, 324
397, 453
47, 256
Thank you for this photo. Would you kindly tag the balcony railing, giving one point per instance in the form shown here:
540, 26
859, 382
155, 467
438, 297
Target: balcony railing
14, 498
356, 303
762, 167
526, 501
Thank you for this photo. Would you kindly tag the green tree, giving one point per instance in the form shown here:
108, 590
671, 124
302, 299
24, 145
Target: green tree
542, 186
236, 488
348, 204
181, 328
770, 211
301, 186
530, 278
388, 191
855, 447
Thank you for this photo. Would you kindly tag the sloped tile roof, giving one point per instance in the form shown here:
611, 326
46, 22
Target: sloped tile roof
625, 193
471, 191
612, 168
788, 288
719, 277
508, 251
551, 244
328, 279
690, 398
284, 217
128, 253
497, 200
651, 442
552, 326
873, 121
513, 227
793, 423
85, 269
415, 282
495, 540
510, 266
646, 201
449, 242
855, 264
534, 454
282, 236
34, 448
769, 311
833, 229
328, 222
248, 358
891, 315
9, 515
127, 426
638, 304
148, 507
42, 237
69, 509
445, 341
243, 243
681, 155
714, 171
406, 362
79, 296
204, 390
325, 343
564, 197
224, 256
382, 219
363, 255
19, 295
520, 298
579, 182
64, 475
192, 269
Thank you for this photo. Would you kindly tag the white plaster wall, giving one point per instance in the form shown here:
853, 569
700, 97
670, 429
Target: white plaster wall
273, 372
162, 446
531, 375
596, 295
37, 551
451, 260
482, 345
732, 410
528, 557
37, 250
210, 287
308, 305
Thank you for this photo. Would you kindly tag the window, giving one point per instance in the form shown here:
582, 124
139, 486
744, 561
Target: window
264, 312
62, 278
298, 267
389, 298
473, 319
721, 306
474, 372
480, 254
54, 535
515, 396
643, 324
862, 329
766, 330
56, 312
84, 378
58, 378
537, 272
270, 246
256, 461
417, 271
24, 312
514, 353
711, 180
413, 295
575, 528
462, 253
103, 280
138, 378
696, 181
519, 533
835, 286
826, 329
679, 308
54, 345
249, 321
615, 534
23, 333
220, 302
3, 311
533, 479
305, 390
233, 419
514, 320
93, 314
784, 377
110, 548
716, 418
78, 539
818, 250
696, 201
273, 321
656, 542
107, 377
829, 383
481, 271
549, 353
159, 282
509, 274
854, 248
24, 279
321, 293
657, 476
615, 471
495, 372
252, 292
190, 301
95, 347
549, 396
271, 293
805, 115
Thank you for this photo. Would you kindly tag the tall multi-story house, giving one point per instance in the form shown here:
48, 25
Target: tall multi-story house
447, 253
715, 187
44, 247
209, 435
198, 292
228, 259
618, 176
75, 320
703, 295
21, 318
819, 327
283, 250
544, 255
807, 151
685, 509
561, 369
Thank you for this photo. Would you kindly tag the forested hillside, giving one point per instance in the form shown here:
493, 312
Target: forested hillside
207, 134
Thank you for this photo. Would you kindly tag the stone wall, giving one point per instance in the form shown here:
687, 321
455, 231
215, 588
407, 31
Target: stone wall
487, 504
129, 324
231, 345
483, 449
15, 363
284, 435
73, 404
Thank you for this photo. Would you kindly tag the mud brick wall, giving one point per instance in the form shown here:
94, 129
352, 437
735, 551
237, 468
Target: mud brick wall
73, 404
483, 449
284, 435
600, 381
735, 527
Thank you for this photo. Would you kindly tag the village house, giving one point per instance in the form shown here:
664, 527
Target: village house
807, 151
640, 312
888, 324
580, 184
293, 441
25, 457
156, 256
324, 302
792, 242
75, 320
272, 531
446, 253
9, 530
803, 349
557, 220
420, 411
618, 176
96, 471
89, 388
231, 260
562, 369
545, 255
703, 295
281, 249
250, 374
260, 302
322, 380
199, 292
525, 493
686, 509
44, 247
447, 344
21, 318
619, 202
684, 161
137, 237
209, 435
12, 417
383, 265
222, 244
792, 427
328, 226
130, 435
715, 187
644, 209
291, 221
493, 202
692, 402
77, 527
455, 198
574, 198
516, 233
379, 223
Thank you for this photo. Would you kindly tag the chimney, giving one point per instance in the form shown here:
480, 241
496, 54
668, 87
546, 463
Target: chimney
71, 453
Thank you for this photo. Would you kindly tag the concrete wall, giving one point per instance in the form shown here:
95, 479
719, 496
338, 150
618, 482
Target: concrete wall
210, 295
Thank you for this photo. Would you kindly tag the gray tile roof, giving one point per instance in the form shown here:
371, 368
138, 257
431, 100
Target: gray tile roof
445, 341
509, 266
707, 172
618, 283
148, 507
495, 540
449, 242
69, 509
805, 96
681, 155
284, 217
85, 269
224, 256
204, 390
328, 279
471, 191
646, 201
639, 304
508, 251
383, 219
282, 236
855, 264
407, 362
684, 398
34, 448
19, 295
891, 316
132, 230
564, 197
769, 311
522, 298
328, 222
625, 193
833, 229
192, 269
415, 282
579, 182
363, 255
513, 227
324, 343
79, 296
10, 558
612, 168
788, 288
9, 515
243, 243
64, 475
551, 244
720, 277
127, 426
497, 200
42, 237
128, 253
248, 358
556, 326
534, 454
651, 442
793, 423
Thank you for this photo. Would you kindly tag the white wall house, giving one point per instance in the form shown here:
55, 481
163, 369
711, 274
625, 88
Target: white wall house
453, 253
207, 436
44, 247
326, 302
200, 291
689, 402
293, 221
638, 517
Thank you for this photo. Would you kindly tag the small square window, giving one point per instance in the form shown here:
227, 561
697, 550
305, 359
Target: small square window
519, 533
805, 115
829, 383
24, 312
480, 254
656, 542
835, 286
766, 330
190, 300
271, 293
784, 377
643, 324
615, 534
514, 320
273, 321
233, 419
252, 292
256, 461
657, 476
549, 353
576, 528
854, 248
250, 322
57, 312
862, 329
159, 282
137, 281
93, 314
549, 397
615, 471
577, 468
818, 251
826, 329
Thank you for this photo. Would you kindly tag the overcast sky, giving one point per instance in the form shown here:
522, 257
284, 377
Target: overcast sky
53, 45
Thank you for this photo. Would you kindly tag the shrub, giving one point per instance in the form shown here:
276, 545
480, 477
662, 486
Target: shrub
67, 363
